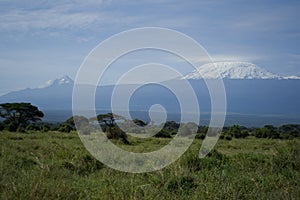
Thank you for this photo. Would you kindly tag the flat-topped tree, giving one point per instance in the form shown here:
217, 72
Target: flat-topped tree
108, 125
20, 114
108, 119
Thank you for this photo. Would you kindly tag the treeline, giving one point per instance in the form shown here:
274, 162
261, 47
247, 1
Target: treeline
24, 117
287, 131
170, 128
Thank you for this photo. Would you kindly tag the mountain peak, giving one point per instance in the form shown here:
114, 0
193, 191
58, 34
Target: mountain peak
65, 80
233, 70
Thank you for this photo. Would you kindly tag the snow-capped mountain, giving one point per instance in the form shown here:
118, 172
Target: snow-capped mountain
55, 94
249, 90
65, 80
233, 70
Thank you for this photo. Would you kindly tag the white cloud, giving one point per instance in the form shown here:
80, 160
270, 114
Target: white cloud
44, 19
65, 15
224, 57
92, 14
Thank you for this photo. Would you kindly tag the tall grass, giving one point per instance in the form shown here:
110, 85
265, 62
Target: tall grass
56, 165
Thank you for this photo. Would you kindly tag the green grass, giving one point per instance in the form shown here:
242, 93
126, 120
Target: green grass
56, 165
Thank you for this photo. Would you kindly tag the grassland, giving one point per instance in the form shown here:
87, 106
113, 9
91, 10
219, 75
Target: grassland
56, 165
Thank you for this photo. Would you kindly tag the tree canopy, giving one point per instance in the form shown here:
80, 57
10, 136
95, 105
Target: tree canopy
108, 125
20, 114
108, 119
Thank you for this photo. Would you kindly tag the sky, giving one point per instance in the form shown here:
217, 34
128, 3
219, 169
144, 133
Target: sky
42, 40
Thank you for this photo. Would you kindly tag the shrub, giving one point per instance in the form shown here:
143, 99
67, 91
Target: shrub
200, 136
228, 137
2, 126
66, 128
222, 136
20, 129
11, 127
45, 128
163, 134
244, 133
32, 127
116, 133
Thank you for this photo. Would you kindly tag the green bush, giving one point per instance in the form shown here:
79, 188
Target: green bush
11, 127
228, 137
163, 134
32, 127
2, 126
200, 136
45, 128
21, 129
66, 128
116, 133
222, 136
244, 133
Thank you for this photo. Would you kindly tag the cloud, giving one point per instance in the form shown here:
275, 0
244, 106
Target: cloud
224, 57
66, 15
24, 21
92, 14
279, 19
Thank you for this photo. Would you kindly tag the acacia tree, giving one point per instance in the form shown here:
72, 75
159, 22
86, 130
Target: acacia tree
108, 125
20, 114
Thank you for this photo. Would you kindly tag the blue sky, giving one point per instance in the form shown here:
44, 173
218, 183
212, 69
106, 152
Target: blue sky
42, 40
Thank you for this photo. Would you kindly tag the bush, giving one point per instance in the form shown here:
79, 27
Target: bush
11, 127
117, 133
236, 132
32, 127
222, 137
228, 137
2, 126
244, 133
45, 128
163, 134
200, 136
21, 129
66, 128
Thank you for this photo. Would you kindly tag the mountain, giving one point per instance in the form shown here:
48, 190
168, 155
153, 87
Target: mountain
65, 80
233, 70
250, 91
55, 94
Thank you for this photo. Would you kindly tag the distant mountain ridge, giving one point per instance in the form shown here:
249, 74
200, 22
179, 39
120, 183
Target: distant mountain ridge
233, 70
259, 92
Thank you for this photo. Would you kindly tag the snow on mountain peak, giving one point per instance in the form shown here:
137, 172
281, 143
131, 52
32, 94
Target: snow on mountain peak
65, 80
231, 70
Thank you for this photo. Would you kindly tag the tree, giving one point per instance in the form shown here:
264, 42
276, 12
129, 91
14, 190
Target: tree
235, 131
108, 125
139, 122
108, 119
19, 114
